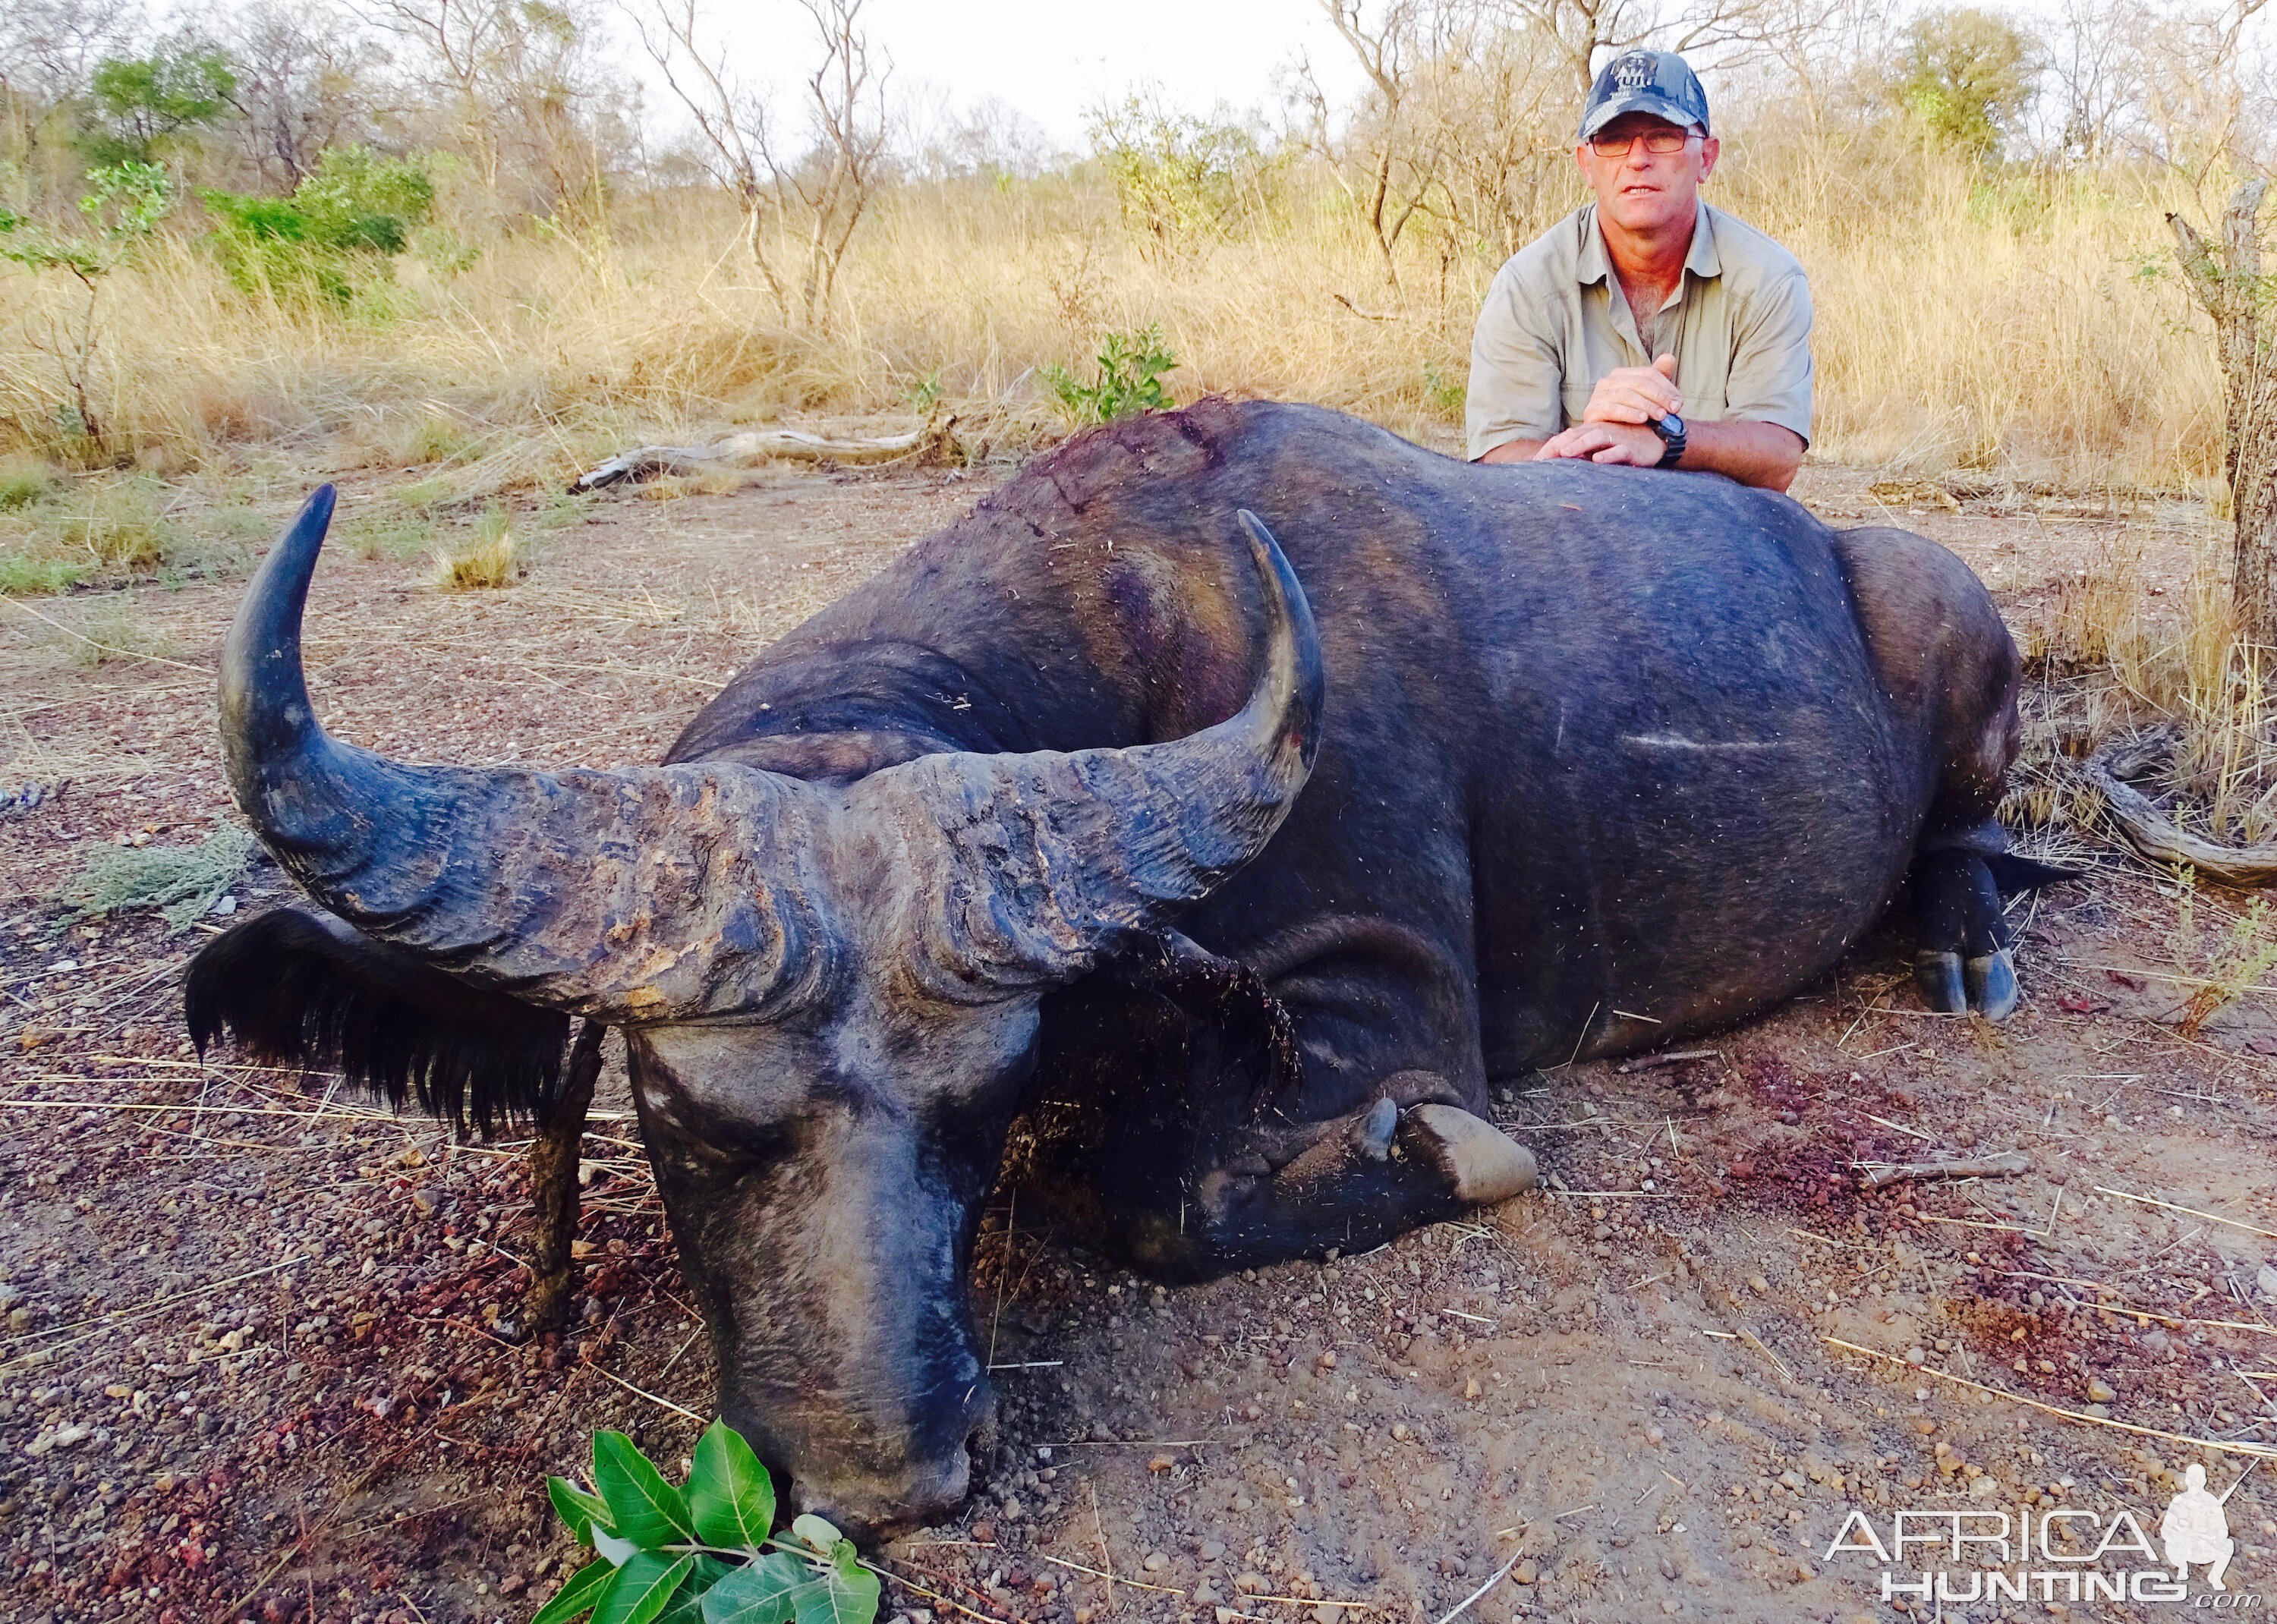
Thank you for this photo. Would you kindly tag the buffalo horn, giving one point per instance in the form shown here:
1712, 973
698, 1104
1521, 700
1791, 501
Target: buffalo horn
650, 894
1018, 872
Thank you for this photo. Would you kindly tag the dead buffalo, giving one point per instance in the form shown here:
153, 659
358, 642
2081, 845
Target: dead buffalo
1590, 758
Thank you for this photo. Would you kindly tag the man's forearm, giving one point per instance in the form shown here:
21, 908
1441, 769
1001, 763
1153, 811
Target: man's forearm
1512, 451
1754, 453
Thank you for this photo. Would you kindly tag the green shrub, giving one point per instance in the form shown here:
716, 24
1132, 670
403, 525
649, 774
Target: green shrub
23, 484
145, 105
1447, 393
703, 1551
181, 882
1131, 367
333, 234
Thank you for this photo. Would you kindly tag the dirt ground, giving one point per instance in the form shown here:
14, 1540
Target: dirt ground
246, 1372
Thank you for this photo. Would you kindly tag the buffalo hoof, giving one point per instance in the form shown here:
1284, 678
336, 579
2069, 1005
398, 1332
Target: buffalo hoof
1371, 1133
1483, 1163
1938, 976
1992, 982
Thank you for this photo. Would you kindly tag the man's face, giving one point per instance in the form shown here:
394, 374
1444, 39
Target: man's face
1640, 190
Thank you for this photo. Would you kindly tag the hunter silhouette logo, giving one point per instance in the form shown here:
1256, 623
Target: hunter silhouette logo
1633, 73
2195, 1528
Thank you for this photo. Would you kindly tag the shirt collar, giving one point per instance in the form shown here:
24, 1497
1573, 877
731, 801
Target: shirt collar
1596, 265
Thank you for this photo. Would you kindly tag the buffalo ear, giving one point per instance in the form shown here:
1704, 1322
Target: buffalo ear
1222, 992
312, 990
2014, 874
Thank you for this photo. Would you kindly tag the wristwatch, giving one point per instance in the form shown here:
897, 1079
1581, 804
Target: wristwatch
1671, 430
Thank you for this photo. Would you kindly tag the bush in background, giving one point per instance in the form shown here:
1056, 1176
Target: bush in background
334, 232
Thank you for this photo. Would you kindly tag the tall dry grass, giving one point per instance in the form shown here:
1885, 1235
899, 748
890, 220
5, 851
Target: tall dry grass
1960, 323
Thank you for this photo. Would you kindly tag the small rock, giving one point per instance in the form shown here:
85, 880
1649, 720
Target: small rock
9, 1296
1325, 1614
224, 909
510, 1584
984, 1533
19, 1320
1759, 1286
1527, 1572
62, 1437
1328, 1361
2099, 1392
1249, 1581
1213, 1549
2267, 1279
425, 1202
1160, 1463
1655, 1435
1013, 1510
1225, 1615
1155, 1562
1204, 1595
1471, 1388
1914, 1355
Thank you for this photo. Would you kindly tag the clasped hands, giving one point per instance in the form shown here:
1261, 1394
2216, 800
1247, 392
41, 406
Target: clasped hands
1618, 425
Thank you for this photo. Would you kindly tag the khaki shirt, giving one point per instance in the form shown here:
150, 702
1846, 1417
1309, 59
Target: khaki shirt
1555, 322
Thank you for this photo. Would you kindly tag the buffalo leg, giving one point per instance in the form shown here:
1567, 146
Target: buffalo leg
554, 1159
1961, 959
1364, 1178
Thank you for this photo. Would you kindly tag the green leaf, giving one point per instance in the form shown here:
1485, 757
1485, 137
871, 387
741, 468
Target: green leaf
847, 1594
580, 1510
643, 1586
642, 1507
616, 1551
687, 1604
815, 1531
762, 1593
579, 1595
730, 1494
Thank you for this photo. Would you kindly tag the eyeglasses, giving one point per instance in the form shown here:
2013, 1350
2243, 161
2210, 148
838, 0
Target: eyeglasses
1660, 143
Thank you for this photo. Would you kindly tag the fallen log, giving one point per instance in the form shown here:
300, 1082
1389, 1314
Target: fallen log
756, 445
2158, 837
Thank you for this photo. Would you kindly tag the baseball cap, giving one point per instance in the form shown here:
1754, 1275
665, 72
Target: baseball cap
1658, 82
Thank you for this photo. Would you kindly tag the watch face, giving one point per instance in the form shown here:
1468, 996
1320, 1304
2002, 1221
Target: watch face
1671, 427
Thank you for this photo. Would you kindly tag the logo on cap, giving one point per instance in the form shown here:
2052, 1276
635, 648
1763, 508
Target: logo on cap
1633, 73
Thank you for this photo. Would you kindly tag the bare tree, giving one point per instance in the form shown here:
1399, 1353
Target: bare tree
2097, 65
300, 88
48, 48
2201, 109
817, 199
1387, 161
2227, 283
521, 86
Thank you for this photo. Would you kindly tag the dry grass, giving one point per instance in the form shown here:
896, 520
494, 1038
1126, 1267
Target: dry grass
1945, 332
490, 557
2132, 655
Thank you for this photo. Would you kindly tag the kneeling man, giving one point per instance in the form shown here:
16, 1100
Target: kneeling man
1646, 327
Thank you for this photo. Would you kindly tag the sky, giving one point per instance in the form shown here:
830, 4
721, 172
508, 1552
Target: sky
1054, 59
